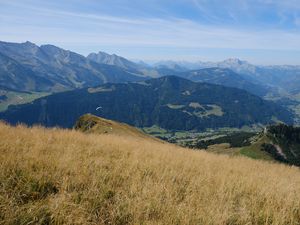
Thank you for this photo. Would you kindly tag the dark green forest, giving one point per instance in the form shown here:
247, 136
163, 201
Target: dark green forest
170, 102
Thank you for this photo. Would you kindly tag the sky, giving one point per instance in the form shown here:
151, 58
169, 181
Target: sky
260, 31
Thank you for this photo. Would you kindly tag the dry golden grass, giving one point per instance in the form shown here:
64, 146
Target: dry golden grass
89, 123
67, 177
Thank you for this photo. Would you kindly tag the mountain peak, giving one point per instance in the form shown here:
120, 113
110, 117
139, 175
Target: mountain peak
236, 61
102, 53
29, 44
238, 66
52, 48
112, 59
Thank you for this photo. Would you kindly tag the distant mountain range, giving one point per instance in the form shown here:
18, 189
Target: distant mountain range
285, 77
170, 102
227, 78
47, 68
115, 60
28, 71
28, 67
234, 64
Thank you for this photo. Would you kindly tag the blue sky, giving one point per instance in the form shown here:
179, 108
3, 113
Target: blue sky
260, 31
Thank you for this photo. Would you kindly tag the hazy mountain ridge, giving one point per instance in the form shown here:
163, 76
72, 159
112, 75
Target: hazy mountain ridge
226, 77
140, 68
15, 76
105, 58
49, 68
231, 63
280, 76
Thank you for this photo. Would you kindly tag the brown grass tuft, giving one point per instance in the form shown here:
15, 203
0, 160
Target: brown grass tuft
53, 176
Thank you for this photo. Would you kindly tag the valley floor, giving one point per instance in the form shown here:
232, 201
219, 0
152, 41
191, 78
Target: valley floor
53, 176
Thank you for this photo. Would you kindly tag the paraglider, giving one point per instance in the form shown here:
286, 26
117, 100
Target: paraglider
98, 108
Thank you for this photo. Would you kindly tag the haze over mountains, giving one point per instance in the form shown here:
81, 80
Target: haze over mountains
28, 67
226, 77
278, 76
47, 68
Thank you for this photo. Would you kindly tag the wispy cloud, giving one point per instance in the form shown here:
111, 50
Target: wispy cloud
74, 27
297, 20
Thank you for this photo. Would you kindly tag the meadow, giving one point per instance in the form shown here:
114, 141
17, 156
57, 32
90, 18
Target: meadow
55, 176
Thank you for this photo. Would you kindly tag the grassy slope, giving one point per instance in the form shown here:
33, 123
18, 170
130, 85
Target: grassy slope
16, 98
255, 150
68, 177
223, 148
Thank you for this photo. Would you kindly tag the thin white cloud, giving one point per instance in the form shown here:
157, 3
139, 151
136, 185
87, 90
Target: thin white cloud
297, 20
64, 27
150, 32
